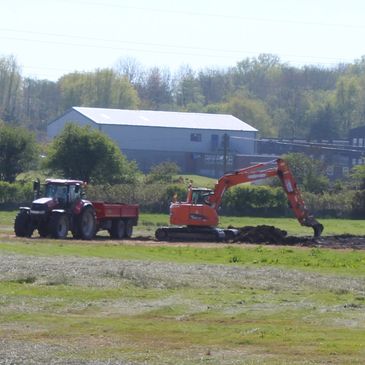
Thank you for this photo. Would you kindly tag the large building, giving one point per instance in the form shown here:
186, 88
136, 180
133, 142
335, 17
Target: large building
198, 142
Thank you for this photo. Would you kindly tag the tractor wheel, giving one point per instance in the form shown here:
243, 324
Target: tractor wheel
129, 229
23, 226
43, 230
118, 229
87, 223
59, 226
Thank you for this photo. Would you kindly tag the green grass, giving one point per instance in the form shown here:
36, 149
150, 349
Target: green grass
182, 323
317, 260
216, 325
198, 180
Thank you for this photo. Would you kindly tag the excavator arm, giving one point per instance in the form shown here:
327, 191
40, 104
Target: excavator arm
263, 171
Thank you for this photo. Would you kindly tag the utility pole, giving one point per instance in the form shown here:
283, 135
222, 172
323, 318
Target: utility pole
225, 151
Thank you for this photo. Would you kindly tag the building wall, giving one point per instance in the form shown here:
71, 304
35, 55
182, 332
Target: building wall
56, 127
176, 139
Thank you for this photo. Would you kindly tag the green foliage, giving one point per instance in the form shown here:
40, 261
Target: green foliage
13, 194
163, 172
103, 88
151, 197
251, 111
18, 152
255, 200
309, 173
87, 154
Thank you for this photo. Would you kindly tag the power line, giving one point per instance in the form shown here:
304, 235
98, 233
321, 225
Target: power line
228, 16
216, 53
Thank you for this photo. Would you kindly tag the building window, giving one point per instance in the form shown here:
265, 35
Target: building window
195, 137
361, 142
354, 142
215, 142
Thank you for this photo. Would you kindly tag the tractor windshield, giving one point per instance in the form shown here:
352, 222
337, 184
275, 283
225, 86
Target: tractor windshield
56, 191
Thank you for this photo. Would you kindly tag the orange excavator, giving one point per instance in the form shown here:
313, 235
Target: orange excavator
197, 218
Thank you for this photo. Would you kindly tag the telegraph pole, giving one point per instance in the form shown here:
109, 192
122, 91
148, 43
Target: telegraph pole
225, 151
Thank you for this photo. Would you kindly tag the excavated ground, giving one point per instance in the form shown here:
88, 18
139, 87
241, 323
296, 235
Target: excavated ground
274, 236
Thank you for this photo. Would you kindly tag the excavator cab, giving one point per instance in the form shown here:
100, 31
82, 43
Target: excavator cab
201, 195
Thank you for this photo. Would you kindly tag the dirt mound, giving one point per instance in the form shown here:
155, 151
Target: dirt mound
260, 234
274, 236
267, 234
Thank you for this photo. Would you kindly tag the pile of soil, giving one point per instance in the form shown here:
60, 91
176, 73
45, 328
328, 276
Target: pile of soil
261, 234
274, 236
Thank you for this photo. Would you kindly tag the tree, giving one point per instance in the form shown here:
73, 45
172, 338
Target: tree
187, 89
87, 154
10, 84
18, 152
253, 112
155, 89
324, 125
103, 88
308, 172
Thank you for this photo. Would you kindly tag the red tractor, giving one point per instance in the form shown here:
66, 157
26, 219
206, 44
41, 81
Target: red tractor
63, 208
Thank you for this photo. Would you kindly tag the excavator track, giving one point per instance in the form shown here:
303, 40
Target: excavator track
209, 234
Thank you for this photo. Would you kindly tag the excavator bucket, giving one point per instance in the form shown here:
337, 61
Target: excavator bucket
318, 229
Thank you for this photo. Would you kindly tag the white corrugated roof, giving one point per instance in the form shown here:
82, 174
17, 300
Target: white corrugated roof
165, 119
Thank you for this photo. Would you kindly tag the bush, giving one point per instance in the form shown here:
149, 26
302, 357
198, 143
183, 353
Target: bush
14, 194
152, 198
255, 201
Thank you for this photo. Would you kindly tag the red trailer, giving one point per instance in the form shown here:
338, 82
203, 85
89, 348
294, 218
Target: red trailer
117, 218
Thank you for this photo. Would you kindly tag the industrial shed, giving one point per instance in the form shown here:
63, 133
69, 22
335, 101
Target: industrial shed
197, 142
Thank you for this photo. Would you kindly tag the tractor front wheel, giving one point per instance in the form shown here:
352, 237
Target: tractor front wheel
59, 226
23, 226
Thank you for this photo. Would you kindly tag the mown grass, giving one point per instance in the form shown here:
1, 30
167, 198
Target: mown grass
217, 325
315, 259
187, 324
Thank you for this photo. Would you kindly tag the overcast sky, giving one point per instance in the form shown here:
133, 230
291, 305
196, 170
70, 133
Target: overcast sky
52, 37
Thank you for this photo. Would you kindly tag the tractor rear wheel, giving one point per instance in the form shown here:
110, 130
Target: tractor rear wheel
23, 226
87, 223
59, 226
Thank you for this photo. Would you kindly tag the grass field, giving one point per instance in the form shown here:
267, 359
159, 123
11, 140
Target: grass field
107, 302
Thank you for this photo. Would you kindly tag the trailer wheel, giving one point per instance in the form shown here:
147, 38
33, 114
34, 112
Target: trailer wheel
118, 229
129, 229
87, 223
23, 226
59, 226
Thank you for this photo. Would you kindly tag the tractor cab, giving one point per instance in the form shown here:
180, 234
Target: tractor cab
64, 192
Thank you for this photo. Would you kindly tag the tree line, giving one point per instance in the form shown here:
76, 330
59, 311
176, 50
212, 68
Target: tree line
278, 99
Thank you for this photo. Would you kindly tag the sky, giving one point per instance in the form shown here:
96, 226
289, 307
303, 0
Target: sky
50, 38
